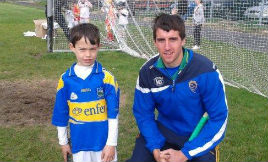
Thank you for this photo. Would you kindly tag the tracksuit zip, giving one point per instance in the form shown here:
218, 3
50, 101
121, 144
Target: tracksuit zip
170, 78
173, 85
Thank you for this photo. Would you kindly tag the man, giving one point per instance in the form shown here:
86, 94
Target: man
182, 86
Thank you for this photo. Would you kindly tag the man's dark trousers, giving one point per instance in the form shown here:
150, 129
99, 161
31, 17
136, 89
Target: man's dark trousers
142, 154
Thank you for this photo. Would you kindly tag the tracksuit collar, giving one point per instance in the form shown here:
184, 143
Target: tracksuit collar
160, 65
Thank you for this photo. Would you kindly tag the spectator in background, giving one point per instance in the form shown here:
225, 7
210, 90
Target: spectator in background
180, 8
59, 18
69, 16
198, 20
109, 9
174, 9
84, 6
190, 8
122, 19
76, 13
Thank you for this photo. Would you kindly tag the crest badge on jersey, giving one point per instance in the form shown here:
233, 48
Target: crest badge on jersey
100, 92
158, 81
193, 86
73, 96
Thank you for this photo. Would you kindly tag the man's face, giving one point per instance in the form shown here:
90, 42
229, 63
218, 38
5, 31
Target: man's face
169, 46
85, 52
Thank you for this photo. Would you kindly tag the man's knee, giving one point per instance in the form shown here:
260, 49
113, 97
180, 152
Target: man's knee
140, 152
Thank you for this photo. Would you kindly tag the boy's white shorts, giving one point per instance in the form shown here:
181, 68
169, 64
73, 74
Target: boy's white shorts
90, 156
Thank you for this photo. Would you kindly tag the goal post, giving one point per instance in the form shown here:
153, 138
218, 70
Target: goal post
234, 35
49, 15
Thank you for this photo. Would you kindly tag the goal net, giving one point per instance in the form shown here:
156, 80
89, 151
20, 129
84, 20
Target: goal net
234, 35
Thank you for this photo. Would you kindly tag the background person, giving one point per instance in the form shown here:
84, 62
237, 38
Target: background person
59, 18
180, 8
76, 13
69, 15
122, 20
109, 10
84, 6
198, 20
181, 85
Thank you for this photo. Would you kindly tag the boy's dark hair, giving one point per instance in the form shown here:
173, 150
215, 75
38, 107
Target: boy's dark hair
86, 30
168, 22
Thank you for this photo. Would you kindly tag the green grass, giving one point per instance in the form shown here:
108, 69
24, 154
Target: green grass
24, 58
28, 144
246, 138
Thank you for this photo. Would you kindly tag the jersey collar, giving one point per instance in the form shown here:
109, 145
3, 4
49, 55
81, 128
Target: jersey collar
97, 68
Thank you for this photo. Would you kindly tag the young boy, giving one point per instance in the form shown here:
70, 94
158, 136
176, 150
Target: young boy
88, 99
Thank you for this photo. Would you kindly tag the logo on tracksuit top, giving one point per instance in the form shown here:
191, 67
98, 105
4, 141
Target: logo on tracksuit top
159, 81
193, 86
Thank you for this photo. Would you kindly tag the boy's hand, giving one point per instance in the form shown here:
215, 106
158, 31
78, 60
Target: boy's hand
65, 149
108, 153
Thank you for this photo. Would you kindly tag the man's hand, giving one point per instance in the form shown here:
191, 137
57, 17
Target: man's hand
157, 156
65, 149
108, 153
172, 155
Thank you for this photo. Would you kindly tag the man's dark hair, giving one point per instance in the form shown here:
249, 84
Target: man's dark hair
86, 30
168, 22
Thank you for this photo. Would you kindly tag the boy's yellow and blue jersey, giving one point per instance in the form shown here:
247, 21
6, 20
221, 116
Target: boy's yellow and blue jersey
86, 105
